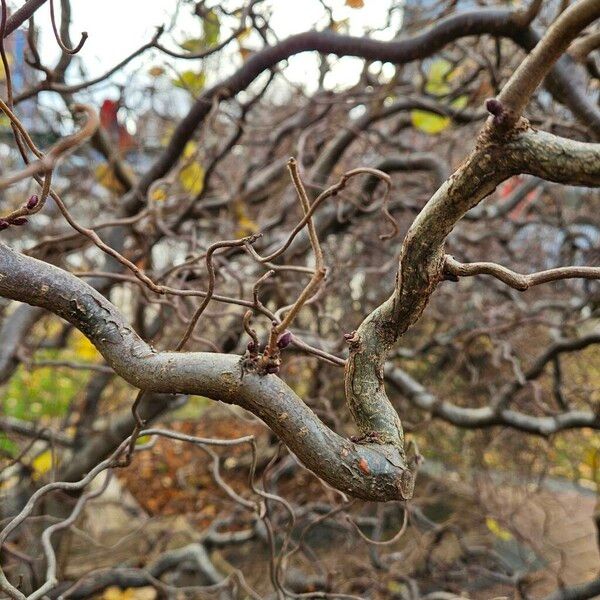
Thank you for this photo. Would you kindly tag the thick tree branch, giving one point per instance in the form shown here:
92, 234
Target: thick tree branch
373, 471
21, 15
422, 256
517, 92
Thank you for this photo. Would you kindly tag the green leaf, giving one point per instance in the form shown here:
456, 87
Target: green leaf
211, 32
437, 77
191, 81
212, 29
192, 44
460, 102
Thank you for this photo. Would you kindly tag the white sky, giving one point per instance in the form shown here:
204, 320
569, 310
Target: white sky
117, 27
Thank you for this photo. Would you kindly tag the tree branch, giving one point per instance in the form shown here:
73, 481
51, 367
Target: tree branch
21, 15
505, 23
487, 416
371, 471
583, 591
517, 280
516, 93
494, 159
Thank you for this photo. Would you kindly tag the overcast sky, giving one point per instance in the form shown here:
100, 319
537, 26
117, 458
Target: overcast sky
116, 27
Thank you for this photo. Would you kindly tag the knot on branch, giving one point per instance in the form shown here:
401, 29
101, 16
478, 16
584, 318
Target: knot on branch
352, 339
267, 362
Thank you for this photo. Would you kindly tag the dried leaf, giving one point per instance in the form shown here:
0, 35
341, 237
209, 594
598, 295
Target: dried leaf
363, 465
245, 53
156, 71
244, 34
340, 26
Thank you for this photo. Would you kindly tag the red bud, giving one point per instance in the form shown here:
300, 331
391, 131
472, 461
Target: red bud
284, 340
32, 202
19, 221
494, 107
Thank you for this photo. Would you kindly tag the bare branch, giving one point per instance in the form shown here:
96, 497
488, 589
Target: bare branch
516, 93
516, 280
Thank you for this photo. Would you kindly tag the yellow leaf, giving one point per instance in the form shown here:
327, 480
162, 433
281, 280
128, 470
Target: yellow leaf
591, 463
84, 348
437, 76
192, 45
433, 123
211, 27
190, 149
166, 136
355, 3
9, 60
158, 195
192, 178
246, 225
116, 593
106, 177
460, 102
498, 530
428, 122
41, 464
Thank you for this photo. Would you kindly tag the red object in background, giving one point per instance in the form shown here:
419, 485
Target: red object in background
117, 132
507, 188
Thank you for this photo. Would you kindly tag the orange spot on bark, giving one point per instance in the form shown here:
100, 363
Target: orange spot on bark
363, 465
